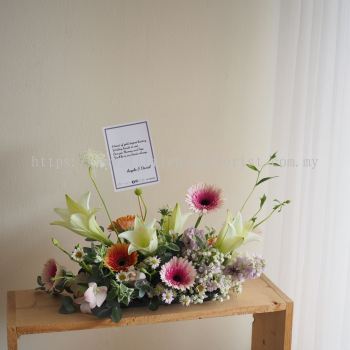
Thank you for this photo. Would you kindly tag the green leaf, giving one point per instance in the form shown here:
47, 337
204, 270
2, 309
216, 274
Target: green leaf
141, 293
200, 242
275, 164
253, 167
153, 304
166, 257
39, 281
273, 156
143, 285
88, 250
90, 240
265, 179
123, 293
262, 200
161, 250
111, 295
67, 306
174, 247
103, 311
116, 314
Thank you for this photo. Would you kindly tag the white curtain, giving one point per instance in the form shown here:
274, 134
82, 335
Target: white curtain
308, 246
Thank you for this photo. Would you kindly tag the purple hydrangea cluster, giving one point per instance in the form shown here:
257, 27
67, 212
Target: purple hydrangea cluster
245, 267
189, 238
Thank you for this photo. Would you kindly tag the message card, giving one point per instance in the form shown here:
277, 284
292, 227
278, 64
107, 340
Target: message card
130, 151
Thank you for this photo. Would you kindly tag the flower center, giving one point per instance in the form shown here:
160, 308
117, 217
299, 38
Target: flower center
122, 262
177, 278
205, 201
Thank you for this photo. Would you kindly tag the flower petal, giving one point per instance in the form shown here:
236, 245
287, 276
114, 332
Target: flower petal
90, 295
101, 295
85, 200
74, 207
85, 308
63, 213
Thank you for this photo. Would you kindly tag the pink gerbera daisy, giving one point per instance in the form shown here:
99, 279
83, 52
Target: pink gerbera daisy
203, 198
178, 273
51, 270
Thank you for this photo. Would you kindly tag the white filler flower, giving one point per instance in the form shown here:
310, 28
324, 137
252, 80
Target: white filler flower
93, 159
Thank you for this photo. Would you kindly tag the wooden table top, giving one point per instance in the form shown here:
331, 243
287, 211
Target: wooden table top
31, 311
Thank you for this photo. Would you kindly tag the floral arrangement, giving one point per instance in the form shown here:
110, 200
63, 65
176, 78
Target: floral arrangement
141, 262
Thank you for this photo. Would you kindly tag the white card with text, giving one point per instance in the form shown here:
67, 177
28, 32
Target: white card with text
131, 156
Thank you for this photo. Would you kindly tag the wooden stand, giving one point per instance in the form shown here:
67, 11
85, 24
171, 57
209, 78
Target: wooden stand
31, 312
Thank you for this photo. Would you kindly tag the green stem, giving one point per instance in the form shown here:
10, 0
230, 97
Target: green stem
57, 244
86, 267
262, 221
139, 201
254, 216
145, 207
103, 202
247, 199
254, 187
198, 221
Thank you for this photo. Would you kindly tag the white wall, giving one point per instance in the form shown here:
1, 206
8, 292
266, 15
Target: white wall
200, 71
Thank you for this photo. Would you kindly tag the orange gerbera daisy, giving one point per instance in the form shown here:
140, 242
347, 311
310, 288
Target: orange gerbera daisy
118, 259
124, 223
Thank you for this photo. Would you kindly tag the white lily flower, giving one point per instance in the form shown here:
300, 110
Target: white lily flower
176, 221
142, 238
79, 218
234, 233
